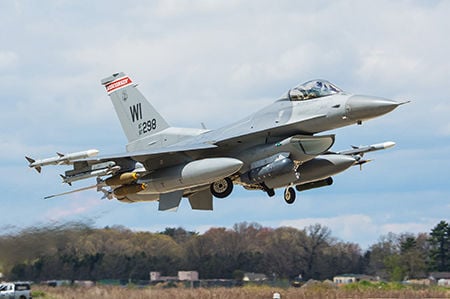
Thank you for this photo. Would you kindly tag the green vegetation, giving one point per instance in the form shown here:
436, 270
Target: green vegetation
77, 251
440, 247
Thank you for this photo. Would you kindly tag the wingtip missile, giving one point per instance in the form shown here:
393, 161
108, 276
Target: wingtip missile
60, 159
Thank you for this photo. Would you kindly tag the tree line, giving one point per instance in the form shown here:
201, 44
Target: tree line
78, 251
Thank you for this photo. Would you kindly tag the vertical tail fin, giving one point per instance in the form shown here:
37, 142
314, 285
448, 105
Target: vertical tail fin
137, 116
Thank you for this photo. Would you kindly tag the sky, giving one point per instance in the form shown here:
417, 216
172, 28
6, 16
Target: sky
215, 62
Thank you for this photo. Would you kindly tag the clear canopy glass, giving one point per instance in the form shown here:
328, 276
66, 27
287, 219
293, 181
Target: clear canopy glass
312, 89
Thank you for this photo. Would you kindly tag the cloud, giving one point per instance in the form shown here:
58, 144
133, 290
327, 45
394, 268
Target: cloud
420, 226
216, 62
8, 60
363, 229
346, 227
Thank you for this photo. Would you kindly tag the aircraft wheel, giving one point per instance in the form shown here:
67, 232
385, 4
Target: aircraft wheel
289, 195
222, 188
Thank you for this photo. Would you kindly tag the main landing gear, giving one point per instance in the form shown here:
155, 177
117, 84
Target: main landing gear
270, 192
222, 188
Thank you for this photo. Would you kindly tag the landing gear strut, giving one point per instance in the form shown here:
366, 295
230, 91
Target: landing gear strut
268, 190
289, 195
222, 188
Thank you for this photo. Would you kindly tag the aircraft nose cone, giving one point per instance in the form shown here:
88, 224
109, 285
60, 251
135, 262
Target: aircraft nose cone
360, 107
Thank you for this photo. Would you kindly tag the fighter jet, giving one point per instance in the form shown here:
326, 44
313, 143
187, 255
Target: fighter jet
275, 147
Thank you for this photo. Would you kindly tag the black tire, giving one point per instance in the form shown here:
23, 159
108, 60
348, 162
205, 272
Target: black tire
222, 188
289, 195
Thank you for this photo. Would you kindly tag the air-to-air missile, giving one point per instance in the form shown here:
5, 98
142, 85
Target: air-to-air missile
107, 170
60, 159
370, 148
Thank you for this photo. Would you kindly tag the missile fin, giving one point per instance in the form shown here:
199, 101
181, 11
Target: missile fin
31, 160
107, 193
65, 180
361, 162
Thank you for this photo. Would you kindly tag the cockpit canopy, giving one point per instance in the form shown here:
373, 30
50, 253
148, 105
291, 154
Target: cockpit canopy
311, 90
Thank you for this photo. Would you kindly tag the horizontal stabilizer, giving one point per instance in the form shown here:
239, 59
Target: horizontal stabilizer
202, 200
170, 201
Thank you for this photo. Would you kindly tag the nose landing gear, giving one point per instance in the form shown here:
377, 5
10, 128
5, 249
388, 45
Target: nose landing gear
289, 195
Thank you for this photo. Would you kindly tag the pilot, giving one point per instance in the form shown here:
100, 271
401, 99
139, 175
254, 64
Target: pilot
316, 90
298, 94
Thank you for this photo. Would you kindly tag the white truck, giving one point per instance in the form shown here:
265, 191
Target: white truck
15, 290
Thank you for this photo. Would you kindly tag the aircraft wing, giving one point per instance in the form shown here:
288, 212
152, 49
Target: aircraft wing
142, 156
117, 163
152, 159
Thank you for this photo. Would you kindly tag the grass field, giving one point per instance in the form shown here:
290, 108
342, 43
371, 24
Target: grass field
248, 292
